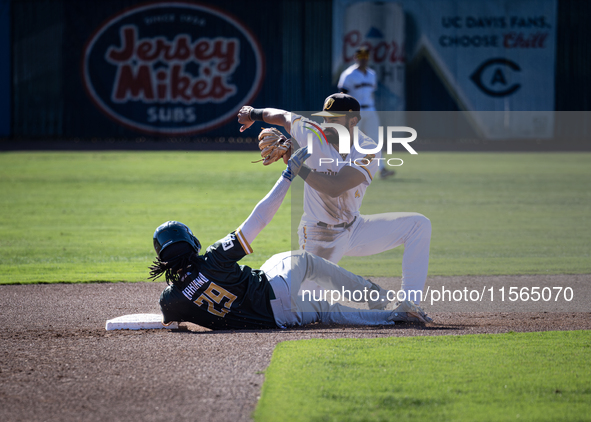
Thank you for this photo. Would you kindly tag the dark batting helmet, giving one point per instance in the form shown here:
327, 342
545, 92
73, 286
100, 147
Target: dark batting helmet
173, 232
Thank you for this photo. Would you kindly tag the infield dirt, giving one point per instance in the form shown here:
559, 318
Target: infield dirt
59, 363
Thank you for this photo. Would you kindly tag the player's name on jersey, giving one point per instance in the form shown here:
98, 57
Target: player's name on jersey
194, 285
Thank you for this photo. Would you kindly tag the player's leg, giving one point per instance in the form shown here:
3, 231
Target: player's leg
381, 232
327, 243
307, 266
336, 313
331, 245
290, 310
304, 266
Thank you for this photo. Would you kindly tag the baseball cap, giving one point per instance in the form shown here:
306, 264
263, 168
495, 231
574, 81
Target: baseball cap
362, 53
336, 103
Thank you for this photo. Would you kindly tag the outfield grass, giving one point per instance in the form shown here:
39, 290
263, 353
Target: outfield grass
90, 216
83, 216
526, 376
491, 213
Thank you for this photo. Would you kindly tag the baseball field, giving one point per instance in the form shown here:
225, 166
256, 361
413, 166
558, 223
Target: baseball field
75, 244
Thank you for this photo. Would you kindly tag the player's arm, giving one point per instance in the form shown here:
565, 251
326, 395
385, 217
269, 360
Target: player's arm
333, 185
265, 210
274, 116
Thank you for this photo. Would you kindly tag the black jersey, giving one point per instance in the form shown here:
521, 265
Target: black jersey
217, 293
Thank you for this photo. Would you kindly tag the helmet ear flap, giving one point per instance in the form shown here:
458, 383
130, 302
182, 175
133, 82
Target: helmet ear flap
157, 246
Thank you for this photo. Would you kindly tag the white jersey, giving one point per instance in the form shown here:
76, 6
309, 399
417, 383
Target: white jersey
319, 207
359, 85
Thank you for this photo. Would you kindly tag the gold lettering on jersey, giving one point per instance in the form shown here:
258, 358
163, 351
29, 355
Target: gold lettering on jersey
210, 307
328, 104
213, 295
357, 194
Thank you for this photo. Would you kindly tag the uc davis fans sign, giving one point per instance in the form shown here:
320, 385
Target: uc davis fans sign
167, 68
495, 56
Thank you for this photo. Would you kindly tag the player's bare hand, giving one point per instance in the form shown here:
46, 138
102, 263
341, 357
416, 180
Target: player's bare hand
244, 118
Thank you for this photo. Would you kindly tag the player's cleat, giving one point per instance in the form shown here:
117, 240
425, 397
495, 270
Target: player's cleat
385, 173
381, 303
409, 311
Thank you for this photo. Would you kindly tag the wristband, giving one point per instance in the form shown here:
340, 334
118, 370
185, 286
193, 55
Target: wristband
304, 172
256, 114
287, 174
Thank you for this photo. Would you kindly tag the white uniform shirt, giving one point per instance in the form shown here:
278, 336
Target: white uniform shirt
319, 207
359, 85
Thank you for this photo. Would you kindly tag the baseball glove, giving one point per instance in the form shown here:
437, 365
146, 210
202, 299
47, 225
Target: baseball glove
273, 145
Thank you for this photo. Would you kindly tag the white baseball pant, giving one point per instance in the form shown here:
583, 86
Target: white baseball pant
372, 234
293, 268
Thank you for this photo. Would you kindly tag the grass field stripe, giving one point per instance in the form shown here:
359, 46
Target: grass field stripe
470, 182
243, 242
337, 378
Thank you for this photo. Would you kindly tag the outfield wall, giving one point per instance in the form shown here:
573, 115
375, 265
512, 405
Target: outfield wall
5, 91
74, 70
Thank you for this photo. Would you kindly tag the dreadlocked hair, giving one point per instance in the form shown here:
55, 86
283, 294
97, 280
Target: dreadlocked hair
171, 264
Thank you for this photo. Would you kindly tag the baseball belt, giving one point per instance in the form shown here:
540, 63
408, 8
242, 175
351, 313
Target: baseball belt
336, 226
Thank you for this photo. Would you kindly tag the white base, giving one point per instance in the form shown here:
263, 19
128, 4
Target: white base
138, 322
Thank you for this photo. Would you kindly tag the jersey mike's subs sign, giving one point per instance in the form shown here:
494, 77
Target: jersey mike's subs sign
172, 68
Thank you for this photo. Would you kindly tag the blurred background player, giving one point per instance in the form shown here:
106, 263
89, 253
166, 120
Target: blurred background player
360, 81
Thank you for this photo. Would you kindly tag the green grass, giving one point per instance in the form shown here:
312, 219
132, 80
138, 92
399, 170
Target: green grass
491, 213
83, 216
90, 216
527, 376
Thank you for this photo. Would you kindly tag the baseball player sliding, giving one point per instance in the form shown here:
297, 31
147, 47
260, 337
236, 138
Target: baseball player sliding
213, 291
331, 226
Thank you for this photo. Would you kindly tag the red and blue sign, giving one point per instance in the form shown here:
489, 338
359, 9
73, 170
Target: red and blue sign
172, 68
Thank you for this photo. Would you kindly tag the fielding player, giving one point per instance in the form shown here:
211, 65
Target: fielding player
213, 291
331, 226
360, 82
